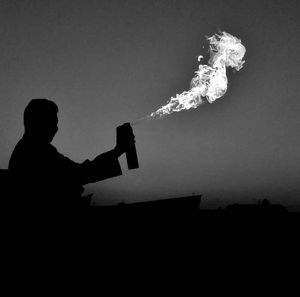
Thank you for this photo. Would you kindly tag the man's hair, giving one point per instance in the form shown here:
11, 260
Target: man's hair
38, 112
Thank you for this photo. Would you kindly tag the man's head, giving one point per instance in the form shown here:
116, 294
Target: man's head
40, 119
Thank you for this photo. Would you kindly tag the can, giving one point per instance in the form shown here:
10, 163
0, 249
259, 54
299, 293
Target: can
131, 155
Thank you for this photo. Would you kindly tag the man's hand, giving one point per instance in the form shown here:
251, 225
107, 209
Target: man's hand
125, 138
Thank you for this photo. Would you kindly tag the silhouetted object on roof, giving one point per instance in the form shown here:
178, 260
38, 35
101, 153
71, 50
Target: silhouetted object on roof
263, 208
46, 179
182, 207
167, 206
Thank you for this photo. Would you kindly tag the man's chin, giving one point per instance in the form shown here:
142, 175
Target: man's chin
49, 138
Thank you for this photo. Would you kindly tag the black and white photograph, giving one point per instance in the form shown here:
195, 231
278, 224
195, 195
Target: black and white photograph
150, 115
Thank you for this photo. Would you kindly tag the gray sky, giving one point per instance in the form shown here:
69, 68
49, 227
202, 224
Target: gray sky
109, 62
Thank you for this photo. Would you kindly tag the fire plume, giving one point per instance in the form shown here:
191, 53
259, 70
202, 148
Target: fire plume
210, 81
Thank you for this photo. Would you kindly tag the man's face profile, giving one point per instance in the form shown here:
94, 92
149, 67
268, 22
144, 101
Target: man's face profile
40, 120
50, 128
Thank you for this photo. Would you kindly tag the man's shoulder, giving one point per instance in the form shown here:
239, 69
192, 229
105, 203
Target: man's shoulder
27, 150
27, 145
17, 154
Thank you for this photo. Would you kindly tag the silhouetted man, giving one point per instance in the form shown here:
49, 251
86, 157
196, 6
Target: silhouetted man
44, 179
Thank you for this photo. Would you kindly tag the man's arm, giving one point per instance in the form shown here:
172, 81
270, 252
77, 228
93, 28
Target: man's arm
102, 167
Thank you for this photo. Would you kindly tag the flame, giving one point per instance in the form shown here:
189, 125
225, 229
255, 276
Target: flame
210, 81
